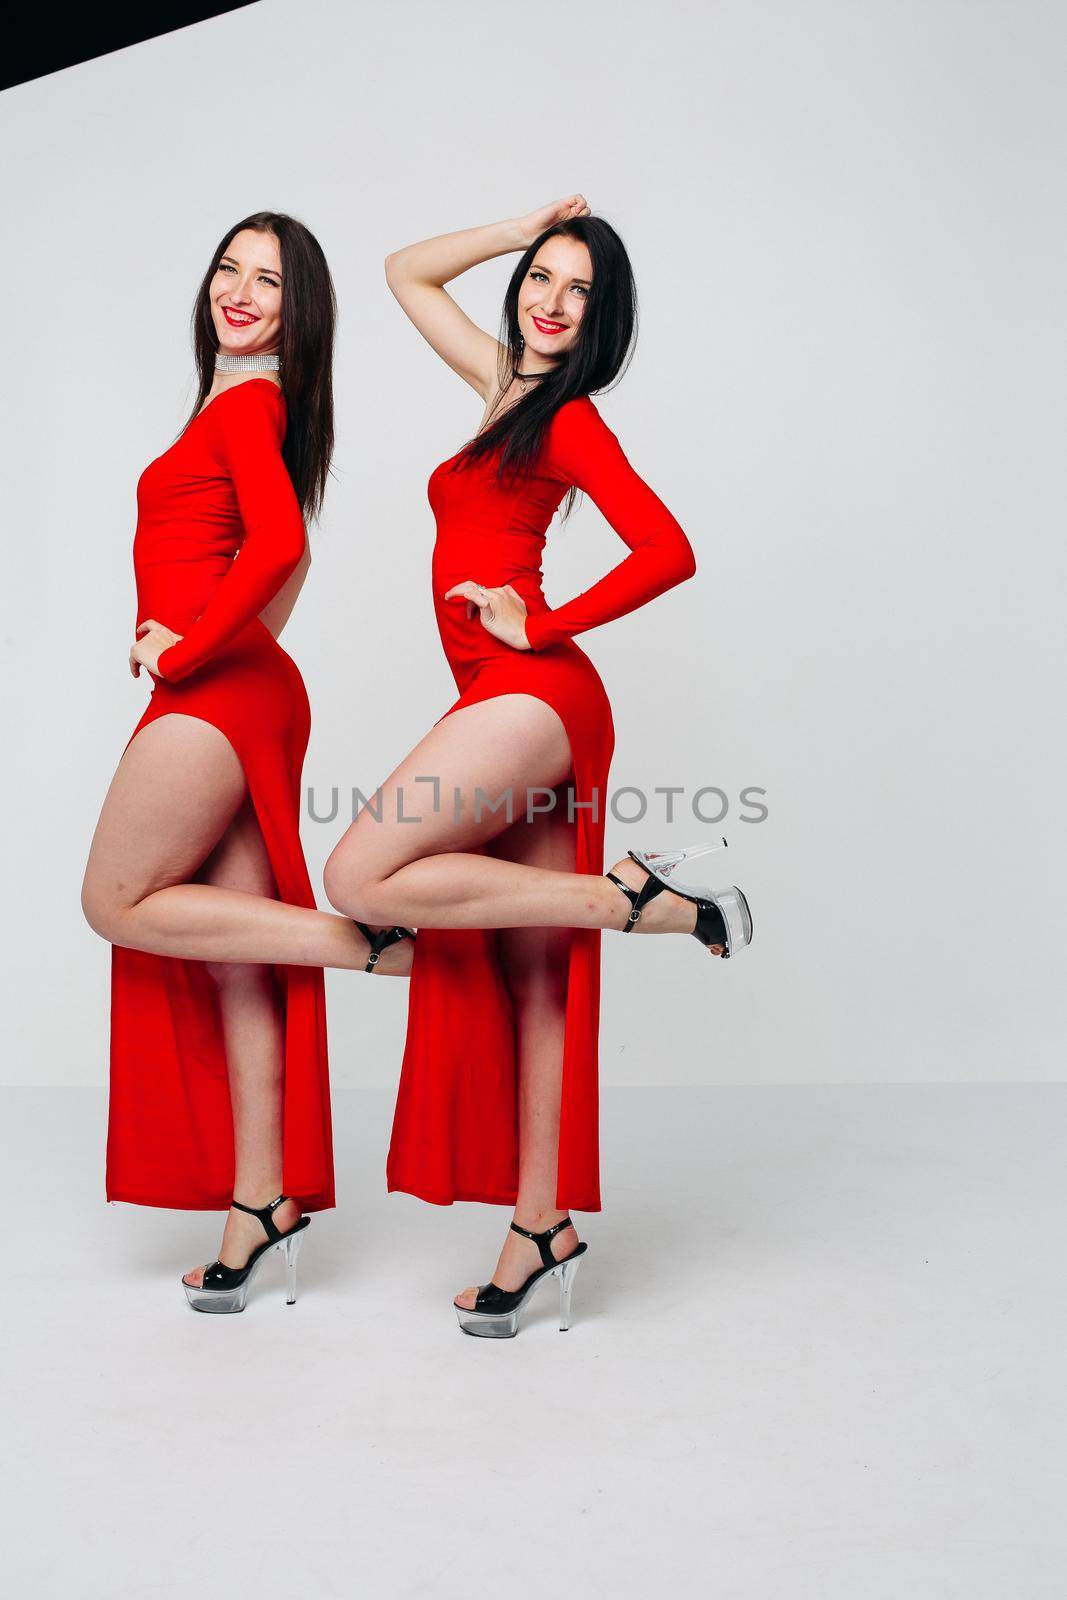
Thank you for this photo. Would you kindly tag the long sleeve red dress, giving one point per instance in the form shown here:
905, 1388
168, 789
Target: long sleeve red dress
219, 530
455, 1127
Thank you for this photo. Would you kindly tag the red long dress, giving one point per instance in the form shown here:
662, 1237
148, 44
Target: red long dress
455, 1128
221, 488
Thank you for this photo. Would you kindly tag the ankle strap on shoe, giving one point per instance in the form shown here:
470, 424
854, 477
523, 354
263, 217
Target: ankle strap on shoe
638, 898
380, 941
264, 1215
543, 1241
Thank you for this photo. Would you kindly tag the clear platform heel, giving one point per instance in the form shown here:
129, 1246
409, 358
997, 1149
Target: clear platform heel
723, 915
225, 1289
496, 1311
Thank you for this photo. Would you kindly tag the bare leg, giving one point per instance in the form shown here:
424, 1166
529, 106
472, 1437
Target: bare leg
252, 1015
159, 839
535, 964
419, 871
176, 790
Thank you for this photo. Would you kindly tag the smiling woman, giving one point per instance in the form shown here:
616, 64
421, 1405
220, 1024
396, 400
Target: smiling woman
498, 1087
219, 1089
249, 294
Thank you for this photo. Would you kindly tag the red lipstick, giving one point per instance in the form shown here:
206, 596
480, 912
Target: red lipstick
239, 319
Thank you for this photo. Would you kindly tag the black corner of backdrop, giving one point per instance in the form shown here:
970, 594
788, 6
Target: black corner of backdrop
37, 43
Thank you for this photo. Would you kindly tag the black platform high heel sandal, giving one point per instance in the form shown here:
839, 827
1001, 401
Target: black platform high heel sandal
381, 941
495, 1314
226, 1288
723, 915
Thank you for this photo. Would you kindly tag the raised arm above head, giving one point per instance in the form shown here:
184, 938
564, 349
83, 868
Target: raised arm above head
417, 275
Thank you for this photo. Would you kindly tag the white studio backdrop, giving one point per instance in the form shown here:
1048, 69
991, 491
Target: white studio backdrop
844, 219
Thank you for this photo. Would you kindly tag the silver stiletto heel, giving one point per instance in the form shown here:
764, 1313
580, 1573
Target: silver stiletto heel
495, 1313
723, 915
225, 1289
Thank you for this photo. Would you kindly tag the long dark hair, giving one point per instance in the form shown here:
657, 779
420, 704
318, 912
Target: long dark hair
309, 316
598, 357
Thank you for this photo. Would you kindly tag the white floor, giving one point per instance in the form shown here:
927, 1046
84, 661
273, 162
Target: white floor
818, 1351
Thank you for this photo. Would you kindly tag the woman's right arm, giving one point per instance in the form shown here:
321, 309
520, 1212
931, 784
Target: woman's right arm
417, 276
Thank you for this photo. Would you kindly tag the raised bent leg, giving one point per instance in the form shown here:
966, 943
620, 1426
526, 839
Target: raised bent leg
416, 865
176, 790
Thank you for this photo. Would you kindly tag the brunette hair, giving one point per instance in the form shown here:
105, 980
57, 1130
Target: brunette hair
598, 357
309, 317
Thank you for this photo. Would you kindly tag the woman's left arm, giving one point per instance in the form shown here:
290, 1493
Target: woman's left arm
246, 429
278, 611
585, 452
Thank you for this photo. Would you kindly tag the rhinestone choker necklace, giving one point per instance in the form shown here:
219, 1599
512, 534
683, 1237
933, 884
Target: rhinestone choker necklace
269, 361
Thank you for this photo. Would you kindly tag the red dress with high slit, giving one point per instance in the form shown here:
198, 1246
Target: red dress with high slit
219, 530
455, 1128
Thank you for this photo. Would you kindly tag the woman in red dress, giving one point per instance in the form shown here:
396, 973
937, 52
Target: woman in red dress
219, 1089
503, 876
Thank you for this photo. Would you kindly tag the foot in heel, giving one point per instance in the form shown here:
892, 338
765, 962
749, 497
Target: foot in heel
251, 1233
719, 918
241, 1236
529, 1256
667, 914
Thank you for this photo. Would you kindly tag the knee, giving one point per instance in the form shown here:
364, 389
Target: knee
349, 892
339, 886
101, 911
